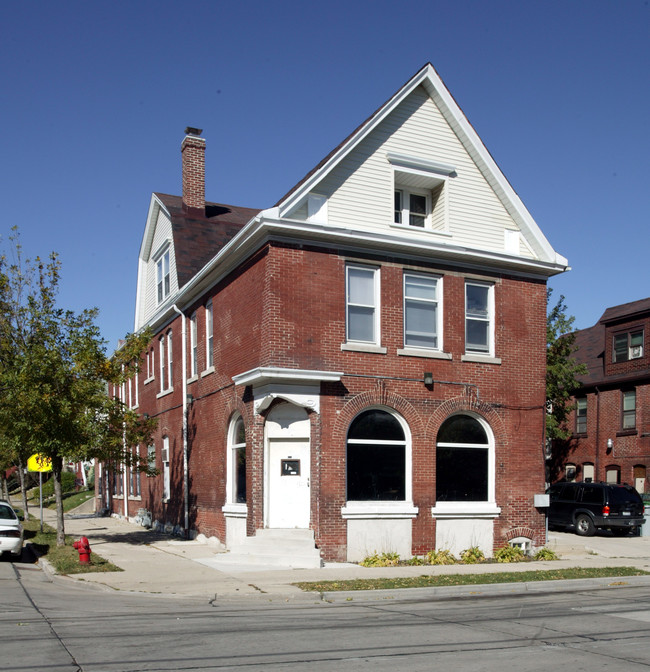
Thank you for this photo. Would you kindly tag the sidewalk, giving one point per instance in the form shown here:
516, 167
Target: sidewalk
155, 563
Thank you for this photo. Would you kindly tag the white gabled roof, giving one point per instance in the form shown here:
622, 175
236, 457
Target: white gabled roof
428, 78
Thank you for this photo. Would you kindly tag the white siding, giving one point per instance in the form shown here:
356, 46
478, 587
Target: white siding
360, 188
162, 236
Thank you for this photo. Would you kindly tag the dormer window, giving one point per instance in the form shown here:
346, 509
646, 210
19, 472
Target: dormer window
628, 346
412, 207
162, 276
420, 192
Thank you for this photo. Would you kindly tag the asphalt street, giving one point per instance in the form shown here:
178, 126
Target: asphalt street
48, 626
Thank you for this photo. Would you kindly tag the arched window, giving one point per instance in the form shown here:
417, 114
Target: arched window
378, 465
464, 461
236, 485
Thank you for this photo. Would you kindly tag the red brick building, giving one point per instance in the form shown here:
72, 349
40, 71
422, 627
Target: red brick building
611, 422
364, 361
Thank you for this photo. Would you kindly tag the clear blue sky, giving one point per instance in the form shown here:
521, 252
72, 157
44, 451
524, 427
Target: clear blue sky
96, 96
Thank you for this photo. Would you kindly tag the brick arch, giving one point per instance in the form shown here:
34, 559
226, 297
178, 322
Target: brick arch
462, 404
373, 398
521, 531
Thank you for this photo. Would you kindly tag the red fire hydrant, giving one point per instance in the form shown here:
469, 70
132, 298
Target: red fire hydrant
83, 548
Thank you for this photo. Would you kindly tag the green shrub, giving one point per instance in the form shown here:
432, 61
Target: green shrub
471, 556
509, 554
381, 560
545, 554
441, 557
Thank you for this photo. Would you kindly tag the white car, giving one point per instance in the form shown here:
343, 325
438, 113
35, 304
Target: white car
11, 531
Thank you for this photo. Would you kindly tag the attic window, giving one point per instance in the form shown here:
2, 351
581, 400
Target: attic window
420, 195
162, 276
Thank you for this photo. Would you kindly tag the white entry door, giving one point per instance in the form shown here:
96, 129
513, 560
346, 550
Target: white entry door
289, 486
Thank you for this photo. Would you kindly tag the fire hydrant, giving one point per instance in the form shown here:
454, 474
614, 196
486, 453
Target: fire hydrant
83, 548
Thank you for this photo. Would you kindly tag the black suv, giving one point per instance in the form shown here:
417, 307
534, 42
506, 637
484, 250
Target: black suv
592, 506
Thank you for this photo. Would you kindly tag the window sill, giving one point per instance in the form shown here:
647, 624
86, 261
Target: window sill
421, 229
207, 372
364, 347
627, 432
465, 510
379, 510
135, 498
235, 510
423, 352
580, 435
480, 359
149, 380
193, 379
164, 393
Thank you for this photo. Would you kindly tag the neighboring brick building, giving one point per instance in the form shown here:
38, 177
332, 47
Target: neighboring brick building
611, 422
365, 359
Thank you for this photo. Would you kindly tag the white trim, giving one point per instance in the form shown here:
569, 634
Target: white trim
465, 510
417, 164
363, 347
358, 510
264, 374
424, 352
480, 359
235, 510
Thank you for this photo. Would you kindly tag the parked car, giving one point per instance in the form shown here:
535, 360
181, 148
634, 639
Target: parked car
11, 531
595, 506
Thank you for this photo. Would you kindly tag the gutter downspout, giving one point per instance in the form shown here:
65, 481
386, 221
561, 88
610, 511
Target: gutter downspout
186, 480
597, 450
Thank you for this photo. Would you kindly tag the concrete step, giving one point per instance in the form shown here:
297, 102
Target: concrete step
275, 548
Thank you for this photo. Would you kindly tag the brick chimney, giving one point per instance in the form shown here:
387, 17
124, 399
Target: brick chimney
193, 153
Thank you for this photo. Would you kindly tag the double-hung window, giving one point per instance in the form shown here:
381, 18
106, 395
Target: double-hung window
479, 317
164, 454
362, 305
628, 346
412, 207
581, 415
209, 360
628, 419
193, 347
166, 367
421, 311
162, 277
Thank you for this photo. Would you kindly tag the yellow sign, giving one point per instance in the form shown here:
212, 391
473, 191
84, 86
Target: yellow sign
39, 463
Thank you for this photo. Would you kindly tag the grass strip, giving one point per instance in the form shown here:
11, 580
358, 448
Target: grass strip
64, 559
427, 581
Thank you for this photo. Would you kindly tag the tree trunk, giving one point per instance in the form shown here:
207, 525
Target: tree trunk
4, 490
23, 485
57, 468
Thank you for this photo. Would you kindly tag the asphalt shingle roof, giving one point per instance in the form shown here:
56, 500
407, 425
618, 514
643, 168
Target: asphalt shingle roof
198, 238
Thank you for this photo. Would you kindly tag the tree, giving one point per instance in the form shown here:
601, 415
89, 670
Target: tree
562, 370
53, 375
